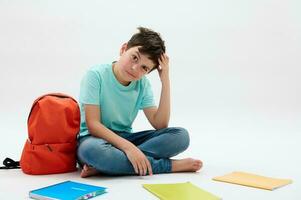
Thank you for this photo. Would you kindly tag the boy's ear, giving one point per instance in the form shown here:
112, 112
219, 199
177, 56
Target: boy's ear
123, 49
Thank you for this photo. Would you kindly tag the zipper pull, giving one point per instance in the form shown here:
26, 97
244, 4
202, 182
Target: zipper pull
48, 146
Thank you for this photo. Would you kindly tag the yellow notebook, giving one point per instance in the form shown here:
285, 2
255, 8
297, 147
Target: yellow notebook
253, 180
179, 191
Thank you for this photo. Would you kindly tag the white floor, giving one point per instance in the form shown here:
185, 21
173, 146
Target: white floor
268, 154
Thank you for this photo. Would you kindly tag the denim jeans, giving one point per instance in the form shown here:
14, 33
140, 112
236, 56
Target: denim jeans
157, 145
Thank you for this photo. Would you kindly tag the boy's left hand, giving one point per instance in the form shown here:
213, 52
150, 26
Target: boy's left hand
163, 68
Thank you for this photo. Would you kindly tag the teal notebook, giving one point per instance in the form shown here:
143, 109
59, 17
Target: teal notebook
67, 190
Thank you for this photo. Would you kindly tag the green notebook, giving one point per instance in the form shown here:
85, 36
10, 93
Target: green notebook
179, 191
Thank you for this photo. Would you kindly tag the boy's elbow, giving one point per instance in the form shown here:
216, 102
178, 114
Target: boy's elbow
91, 125
161, 126
160, 122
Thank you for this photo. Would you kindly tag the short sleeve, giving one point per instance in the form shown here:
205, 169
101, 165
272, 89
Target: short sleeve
90, 88
148, 97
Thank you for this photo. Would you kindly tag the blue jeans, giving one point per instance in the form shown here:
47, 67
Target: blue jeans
157, 145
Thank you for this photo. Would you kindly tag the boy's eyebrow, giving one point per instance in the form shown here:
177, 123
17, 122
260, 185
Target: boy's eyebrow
140, 58
138, 54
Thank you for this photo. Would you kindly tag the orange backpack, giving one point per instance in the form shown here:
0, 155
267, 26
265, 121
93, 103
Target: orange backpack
53, 124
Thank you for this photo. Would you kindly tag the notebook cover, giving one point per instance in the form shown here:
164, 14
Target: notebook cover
253, 180
67, 190
179, 191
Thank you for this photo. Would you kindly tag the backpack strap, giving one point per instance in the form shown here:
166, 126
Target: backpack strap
10, 164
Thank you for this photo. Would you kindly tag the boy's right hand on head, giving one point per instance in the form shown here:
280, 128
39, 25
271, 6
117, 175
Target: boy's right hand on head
139, 161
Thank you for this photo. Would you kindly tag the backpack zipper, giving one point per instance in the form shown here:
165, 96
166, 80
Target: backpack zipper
48, 146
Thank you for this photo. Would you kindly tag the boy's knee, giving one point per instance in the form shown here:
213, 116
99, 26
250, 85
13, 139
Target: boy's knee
89, 148
183, 139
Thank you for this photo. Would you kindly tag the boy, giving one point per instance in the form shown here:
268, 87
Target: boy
110, 97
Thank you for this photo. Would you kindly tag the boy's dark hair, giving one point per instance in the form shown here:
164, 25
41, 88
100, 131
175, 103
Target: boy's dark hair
151, 44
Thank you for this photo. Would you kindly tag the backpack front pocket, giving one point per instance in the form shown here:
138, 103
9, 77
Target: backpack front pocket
49, 158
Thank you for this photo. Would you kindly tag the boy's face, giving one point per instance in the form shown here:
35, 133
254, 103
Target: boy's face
132, 64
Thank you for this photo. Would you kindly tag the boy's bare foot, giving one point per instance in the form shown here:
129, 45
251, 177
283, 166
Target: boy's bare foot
88, 171
186, 165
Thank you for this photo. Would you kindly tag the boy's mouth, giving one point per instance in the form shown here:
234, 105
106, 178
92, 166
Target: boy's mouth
131, 75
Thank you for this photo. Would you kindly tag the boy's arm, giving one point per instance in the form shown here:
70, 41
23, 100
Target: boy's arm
159, 117
97, 129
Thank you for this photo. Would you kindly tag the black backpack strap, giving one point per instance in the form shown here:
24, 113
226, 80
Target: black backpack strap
10, 164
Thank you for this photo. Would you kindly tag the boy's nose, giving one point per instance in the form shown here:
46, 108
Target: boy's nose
136, 70
134, 67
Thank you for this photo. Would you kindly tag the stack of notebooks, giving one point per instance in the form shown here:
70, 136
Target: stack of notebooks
67, 190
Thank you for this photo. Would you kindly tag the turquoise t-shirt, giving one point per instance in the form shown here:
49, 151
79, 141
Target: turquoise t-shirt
119, 104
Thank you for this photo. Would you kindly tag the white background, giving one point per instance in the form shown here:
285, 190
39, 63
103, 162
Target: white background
235, 72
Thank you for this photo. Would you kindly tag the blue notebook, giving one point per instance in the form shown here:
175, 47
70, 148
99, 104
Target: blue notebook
67, 190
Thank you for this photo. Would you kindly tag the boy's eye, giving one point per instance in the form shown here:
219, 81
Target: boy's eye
145, 68
135, 58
